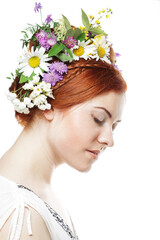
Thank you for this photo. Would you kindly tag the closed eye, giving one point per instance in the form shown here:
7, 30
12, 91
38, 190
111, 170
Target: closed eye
98, 121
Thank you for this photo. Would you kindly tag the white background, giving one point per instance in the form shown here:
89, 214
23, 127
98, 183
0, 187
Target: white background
120, 197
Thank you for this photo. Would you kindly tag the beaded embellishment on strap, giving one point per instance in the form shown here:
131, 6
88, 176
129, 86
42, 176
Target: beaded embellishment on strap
56, 216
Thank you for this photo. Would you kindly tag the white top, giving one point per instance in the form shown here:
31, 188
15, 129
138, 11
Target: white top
16, 197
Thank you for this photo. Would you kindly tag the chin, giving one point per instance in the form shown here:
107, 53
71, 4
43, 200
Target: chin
84, 169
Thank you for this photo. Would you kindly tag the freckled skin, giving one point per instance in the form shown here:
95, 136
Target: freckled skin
72, 132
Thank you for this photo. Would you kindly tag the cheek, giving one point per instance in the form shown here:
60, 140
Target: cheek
78, 131
70, 140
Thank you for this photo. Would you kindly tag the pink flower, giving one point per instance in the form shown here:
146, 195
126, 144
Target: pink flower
70, 42
46, 41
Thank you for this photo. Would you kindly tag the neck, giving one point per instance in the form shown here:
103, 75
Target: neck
30, 159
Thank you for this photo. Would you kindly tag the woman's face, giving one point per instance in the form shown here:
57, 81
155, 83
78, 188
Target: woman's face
84, 127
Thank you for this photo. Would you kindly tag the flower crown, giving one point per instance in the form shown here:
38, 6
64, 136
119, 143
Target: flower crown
38, 72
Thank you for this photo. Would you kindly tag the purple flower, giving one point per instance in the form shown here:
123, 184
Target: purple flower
89, 34
118, 55
42, 35
116, 67
46, 41
37, 7
70, 42
52, 40
59, 67
48, 19
52, 78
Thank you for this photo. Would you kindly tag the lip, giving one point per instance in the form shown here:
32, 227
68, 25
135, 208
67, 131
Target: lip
94, 153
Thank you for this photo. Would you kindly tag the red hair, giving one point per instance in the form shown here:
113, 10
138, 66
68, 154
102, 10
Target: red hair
85, 80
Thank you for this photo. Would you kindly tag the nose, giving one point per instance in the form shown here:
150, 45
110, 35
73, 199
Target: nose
106, 137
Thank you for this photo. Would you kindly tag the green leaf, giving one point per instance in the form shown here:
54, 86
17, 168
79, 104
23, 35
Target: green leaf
81, 37
97, 31
70, 33
23, 79
8, 77
77, 32
55, 49
32, 75
26, 79
85, 20
63, 57
55, 24
69, 51
66, 23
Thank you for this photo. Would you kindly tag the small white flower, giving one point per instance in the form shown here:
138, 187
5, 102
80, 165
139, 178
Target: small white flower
36, 92
45, 86
49, 94
44, 106
30, 105
41, 99
16, 102
48, 106
27, 100
35, 80
22, 105
27, 86
11, 96
26, 111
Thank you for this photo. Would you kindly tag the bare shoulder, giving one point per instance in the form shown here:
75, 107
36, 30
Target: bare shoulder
39, 228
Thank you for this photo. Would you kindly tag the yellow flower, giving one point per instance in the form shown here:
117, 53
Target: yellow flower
82, 28
103, 11
97, 21
91, 17
108, 16
34, 61
101, 51
79, 51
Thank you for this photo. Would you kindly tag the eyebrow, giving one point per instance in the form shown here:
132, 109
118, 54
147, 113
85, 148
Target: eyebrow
108, 113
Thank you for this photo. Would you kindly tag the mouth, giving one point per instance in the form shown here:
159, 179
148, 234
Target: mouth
94, 154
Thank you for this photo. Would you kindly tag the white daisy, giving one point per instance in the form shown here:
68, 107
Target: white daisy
34, 61
100, 48
82, 50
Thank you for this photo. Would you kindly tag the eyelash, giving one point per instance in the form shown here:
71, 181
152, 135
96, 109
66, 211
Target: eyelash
101, 122
97, 121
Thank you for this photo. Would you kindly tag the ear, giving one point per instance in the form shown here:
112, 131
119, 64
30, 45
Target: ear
49, 114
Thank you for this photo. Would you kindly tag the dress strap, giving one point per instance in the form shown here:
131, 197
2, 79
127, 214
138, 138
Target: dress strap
29, 220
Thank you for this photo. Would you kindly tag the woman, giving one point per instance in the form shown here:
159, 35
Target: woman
72, 126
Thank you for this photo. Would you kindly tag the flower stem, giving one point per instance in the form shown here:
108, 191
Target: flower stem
41, 15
